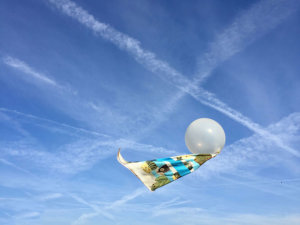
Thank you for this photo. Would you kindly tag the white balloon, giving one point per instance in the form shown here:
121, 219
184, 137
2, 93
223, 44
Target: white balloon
205, 136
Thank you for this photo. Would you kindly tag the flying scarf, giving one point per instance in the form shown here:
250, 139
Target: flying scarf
159, 172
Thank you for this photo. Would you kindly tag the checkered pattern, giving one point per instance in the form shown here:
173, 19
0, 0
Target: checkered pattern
159, 172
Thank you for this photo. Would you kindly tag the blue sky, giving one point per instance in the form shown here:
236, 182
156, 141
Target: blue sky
79, 79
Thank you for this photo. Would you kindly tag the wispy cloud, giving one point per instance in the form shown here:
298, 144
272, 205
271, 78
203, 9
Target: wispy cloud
246, 28
73, 157
177, 210
6, 119
254, 154
55, 123
97, 211
173, 206
28, 215
166, 72
68, 99
4, 161
83, 155
83, 108
50, 196
247, 219
26, 69
249, 26
121, 40
127, 198
105, 211
236, 157
256, 148
209, 99
217, 218
162, 114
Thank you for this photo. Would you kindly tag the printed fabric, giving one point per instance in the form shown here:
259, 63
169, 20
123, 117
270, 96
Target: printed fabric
159, 172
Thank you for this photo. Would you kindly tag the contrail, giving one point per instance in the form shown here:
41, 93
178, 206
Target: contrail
78, 129
245, 29
22, 66
164, 70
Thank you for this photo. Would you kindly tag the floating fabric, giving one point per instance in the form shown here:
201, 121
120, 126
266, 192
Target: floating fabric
159, 172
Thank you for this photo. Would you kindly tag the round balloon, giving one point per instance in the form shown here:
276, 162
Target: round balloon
205, 136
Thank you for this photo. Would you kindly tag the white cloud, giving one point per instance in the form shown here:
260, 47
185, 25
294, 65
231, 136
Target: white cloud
176, 211
166, 72
105, 211
51, 122
97, 211
123, 41
4, 161
126, 198
28, 215
50, 196
209, 99
79, 155
247, 27
218, 218
23, 67
256, 148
